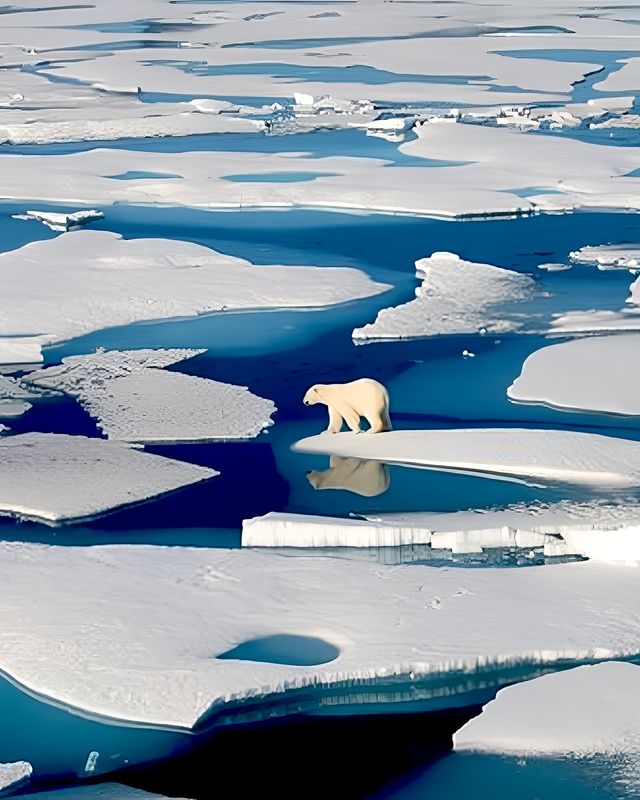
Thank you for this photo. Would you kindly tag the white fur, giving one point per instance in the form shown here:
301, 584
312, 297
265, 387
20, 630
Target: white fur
347, 402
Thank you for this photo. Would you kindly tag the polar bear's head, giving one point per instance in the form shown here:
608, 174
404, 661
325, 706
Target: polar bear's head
314, 395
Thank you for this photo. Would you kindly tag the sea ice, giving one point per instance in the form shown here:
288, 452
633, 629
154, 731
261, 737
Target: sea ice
13, 774
571, 457
609, 256
456, 296
86, 280
597, 373
98, 791
38, 469
135, 400
581, 713
14, 397
159, 617
60, 221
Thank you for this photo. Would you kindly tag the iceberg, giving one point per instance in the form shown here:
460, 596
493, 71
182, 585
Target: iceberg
135, 400
86, 280
13, 774
37, 470
595, 374
520, 454
395, 643
61, 221
455, 296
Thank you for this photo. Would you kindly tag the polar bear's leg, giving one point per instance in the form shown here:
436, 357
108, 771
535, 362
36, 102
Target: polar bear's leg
335, 421
379, 423
351, 417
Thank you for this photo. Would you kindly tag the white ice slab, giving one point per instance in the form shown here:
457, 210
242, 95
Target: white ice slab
585, 459
598, 373
58, 479
135, 400
99, 791
14, 773
21, 349
608, 256
456, 296
583, 712
158, 618
62, 221
86, 280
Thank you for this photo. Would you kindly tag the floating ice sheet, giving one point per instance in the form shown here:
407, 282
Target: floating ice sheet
609, 256
59, 479
135, 400
456, 296
14, 773
597, 373
584, 459
159, 618
86, 280
62, 221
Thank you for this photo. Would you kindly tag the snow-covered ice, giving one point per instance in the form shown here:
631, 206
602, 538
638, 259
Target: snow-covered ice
134, 399
14, 397
14, 773
597, 373
381, 619
62, 221
552, 456
98, 791
21, 349
58, 479
455, 296
610, 256
580, 713
86, 280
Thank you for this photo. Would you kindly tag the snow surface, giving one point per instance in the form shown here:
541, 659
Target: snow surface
582, 459
135, 400
456, 296
582, 712
138, 637
38, 471
598, 373
14, 773
86, 280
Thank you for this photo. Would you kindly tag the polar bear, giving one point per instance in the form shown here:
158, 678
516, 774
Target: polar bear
357, 475
349, 401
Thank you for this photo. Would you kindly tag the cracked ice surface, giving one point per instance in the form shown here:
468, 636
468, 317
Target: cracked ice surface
581, 459
385, 622
582, 713
135, 400
597, 373
456, 296
86, 280
37, 471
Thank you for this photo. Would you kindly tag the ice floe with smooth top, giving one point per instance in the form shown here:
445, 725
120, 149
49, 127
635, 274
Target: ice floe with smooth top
160, 617
585, 712
86, 280
455, 296
597, 373
134, 399
55, 478
520, 454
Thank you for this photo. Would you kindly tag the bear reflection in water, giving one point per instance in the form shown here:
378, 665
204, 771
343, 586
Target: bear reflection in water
358, 475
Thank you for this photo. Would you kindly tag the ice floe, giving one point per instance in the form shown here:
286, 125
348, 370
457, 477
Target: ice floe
13, 774
58, 479
86, 280
571, 457
391, 634
98, 791
584, 713
14, 397
597, 373
62, 221
610, 256
135, 400
17, 350
456, 296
